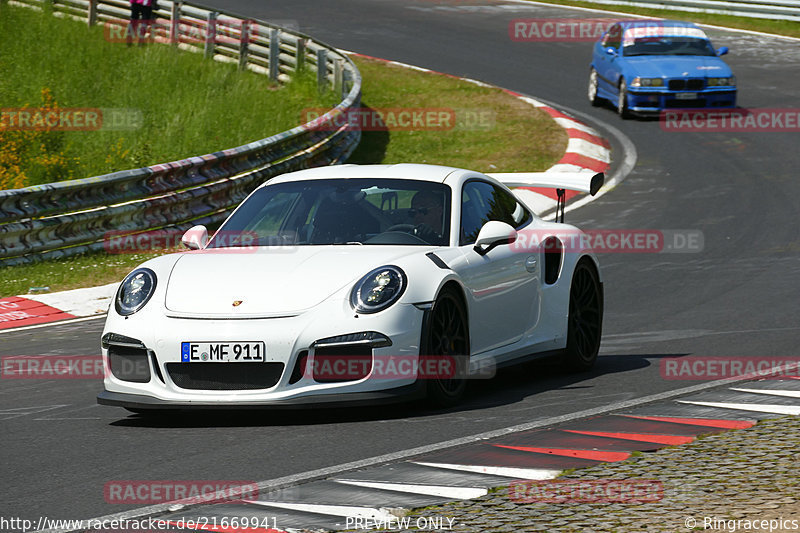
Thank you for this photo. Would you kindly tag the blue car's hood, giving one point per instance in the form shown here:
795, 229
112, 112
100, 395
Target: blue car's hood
678, 66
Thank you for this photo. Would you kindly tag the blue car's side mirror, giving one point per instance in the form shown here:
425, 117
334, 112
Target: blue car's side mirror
722, 51
610, 51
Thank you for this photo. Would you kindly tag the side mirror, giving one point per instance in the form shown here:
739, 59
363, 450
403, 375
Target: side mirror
611, 51
196, 238
493, 233
722, 50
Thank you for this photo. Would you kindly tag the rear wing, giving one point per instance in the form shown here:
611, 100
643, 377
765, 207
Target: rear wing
560, 181
573, 181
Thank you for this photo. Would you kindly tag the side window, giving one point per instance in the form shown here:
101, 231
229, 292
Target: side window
613, 37
482, 202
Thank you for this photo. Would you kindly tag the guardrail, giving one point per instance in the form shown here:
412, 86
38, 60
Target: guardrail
71, 217
775, 9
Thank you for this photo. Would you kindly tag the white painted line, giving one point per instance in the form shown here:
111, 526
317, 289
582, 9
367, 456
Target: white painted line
381, 514
14, 412
456, 493
761, 408
59, 323
502, 471
786, 393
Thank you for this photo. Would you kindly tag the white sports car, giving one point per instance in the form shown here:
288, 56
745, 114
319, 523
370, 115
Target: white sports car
355, 283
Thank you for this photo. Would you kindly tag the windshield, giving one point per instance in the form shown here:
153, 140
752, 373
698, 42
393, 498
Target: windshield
666, 45
342, 211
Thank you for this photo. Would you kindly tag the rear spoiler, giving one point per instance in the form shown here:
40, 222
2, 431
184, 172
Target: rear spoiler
573, 181
560, 181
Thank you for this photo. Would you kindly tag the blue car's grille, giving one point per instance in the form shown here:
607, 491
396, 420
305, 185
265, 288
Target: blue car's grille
690, 84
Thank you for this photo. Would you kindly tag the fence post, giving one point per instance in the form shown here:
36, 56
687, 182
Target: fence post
274, 53
174, 23
338, 68
322, 69
91, 18
211, 34
300, 55
347, 82
244, 40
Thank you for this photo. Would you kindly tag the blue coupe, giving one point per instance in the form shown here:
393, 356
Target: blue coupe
644, 66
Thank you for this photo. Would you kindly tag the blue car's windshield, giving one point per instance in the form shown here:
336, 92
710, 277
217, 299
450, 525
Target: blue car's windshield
666, 45
341, 211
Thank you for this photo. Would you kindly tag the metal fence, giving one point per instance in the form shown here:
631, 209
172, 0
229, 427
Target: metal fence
71, 217
774, 9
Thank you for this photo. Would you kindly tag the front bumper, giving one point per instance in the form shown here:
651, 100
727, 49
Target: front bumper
151, 348
653, 100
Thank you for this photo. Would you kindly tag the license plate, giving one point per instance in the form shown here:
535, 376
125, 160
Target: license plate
686, 96
223, 352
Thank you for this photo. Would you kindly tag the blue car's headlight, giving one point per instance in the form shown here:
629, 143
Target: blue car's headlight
717, 82
647, 82
378, 290
135, 290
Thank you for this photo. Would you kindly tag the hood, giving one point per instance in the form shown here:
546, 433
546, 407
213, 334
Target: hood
270, 281
679, 66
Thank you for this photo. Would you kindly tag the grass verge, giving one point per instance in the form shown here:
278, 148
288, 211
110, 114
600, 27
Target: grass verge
175, 103
778, 27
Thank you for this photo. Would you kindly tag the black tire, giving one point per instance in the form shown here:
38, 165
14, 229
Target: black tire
622, 100
585, 322
447, 334
592, 91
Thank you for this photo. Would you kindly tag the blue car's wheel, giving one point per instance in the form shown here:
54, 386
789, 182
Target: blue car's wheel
622, 100
593, 98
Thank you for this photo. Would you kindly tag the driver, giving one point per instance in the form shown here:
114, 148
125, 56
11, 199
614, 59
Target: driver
427, 209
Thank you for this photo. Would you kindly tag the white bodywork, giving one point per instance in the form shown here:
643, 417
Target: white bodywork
291, 296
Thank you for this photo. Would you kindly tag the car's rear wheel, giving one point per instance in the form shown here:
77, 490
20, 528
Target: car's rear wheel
585, 322
595, 101
446, 347
622, 100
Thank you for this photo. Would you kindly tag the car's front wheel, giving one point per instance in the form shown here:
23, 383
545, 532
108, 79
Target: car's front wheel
585, 322
593, 88
445, 355
622, 100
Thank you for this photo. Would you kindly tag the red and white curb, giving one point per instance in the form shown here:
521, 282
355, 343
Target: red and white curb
34, 309
587, 150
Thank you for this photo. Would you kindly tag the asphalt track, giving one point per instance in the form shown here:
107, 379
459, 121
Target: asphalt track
738, 297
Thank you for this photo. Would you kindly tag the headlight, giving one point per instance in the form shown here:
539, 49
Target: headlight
716, 82
135, 290
378, 290
647, 82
